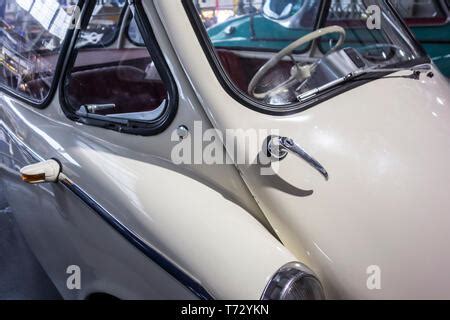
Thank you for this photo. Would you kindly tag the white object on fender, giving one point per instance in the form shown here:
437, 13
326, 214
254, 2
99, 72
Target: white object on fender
41, 172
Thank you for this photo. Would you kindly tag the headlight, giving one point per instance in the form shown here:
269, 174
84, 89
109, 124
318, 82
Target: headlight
294, 281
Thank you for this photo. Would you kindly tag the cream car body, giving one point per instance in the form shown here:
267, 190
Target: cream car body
140, 226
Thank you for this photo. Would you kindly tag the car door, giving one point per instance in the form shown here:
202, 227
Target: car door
429, 21
364, 213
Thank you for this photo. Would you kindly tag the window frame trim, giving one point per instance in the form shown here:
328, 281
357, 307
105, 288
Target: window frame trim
296, 107
123, 125
59, 67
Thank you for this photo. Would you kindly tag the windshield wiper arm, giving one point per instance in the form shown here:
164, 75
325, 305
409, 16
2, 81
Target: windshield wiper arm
416, 71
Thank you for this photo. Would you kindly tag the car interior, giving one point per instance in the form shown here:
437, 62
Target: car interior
127, 79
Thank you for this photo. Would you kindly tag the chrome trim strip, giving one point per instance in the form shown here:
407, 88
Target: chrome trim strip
191, 284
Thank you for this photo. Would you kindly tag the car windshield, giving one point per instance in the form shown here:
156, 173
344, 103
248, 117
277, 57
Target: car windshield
259, 48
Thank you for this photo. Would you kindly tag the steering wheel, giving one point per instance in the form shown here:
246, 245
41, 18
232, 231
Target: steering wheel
299, 73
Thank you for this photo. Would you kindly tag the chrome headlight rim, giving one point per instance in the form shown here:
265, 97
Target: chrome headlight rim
290, 275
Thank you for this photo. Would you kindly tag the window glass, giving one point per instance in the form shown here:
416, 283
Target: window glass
345, 10
115, 82
31, 36
104, 25
253, 42
257, 24
134, 35
352, 15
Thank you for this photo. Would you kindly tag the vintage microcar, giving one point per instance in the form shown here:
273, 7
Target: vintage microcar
345, 197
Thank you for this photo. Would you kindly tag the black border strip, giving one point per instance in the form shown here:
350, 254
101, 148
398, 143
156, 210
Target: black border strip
138, 243
294, 108
143, 128
56, 74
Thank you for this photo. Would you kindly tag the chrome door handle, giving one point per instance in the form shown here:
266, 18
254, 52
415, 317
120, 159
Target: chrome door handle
278, 147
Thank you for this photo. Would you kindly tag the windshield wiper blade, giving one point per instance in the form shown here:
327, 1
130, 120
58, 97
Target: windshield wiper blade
416, 71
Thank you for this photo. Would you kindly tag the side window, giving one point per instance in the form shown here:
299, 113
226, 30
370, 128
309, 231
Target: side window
420, 11
104, 25
117, 83
31, 36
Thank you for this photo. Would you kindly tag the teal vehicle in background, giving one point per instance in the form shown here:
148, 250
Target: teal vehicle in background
273, 24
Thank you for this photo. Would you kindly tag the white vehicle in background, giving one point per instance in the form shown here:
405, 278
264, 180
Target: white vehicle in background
355, 205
